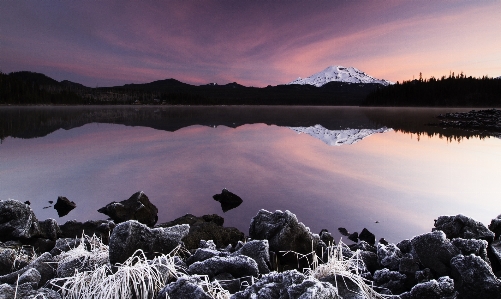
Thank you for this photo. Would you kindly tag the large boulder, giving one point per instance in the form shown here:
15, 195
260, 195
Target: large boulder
137, 207
434, 251
100, 228
258, 250
207, 227
472, 246
284, 233
227, 200
367, 236
17, 221
460, 226
391, 280
389, 256
7, 259
473, 278
49, 229
237, 266
272, 286
127, 237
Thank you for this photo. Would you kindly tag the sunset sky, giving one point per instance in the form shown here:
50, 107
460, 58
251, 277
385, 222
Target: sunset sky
254, 43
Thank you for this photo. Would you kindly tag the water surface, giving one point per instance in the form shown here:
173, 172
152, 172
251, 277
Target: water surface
181, 156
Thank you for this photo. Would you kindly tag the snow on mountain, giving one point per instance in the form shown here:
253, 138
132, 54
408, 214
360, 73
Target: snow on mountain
338, 137
340, 74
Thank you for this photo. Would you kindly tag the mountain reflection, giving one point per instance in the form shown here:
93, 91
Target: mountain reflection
33, 122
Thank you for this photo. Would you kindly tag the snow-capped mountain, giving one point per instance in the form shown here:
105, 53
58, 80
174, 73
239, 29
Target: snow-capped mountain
340, 74
338, 137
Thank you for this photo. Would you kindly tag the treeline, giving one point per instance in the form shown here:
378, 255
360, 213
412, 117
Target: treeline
452, 91
22, 88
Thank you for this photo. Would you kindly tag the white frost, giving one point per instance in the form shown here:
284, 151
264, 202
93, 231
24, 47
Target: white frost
338, 137
340, 74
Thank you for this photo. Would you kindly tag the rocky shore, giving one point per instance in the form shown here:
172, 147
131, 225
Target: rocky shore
131, 256
483, 121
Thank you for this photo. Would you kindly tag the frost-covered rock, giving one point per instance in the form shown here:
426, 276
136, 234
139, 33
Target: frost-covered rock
258, 250
127, 237
389, 256
7, 291
391, 280
346, 288
473, 278
284, 233
31, 276
237, 266
441, 288
43, 264
472, 246
65, 244
434, 251
7, 258
137, 207
460, 226
184, 288
80, 260
100, 228
367, 236
495, 226
17, 221
311, 288
272, 286
409, 265
203, 254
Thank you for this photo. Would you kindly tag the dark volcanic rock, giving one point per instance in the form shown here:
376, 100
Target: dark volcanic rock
392, 280
271, 286
326, 237
17, 221
100, 228
137, 207
258, 250
434, 251
353, 237
473, 278
463, 227
7, 258
283, 232
63, 206
228, 200
127, 237
389, 256
472, 246
367, 236
207, 227
237, 266
31, 276
495, 226
49, 229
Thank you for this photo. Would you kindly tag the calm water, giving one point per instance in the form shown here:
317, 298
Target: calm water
181, 156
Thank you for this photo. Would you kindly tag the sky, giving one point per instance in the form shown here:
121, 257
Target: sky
254, 43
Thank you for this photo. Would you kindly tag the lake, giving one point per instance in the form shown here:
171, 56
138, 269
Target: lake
393, 182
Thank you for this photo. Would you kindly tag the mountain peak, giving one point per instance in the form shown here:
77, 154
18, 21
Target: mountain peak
340, 74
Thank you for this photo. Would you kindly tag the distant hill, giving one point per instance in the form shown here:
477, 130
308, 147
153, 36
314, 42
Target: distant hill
339, 74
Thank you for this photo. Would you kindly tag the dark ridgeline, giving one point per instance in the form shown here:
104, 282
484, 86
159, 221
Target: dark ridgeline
452, 91
21, 88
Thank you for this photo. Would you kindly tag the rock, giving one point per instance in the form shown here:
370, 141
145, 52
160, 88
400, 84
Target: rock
343, 231
63, 206
408, 265
311, 288
353, 237
80, 260
405, 246
434, 289
228, 200
473, 278
494, 253
272, 286
367, 236
127, 237
383, 241
495, 227
284, 233
389, 256
423, 275
207, 227
137, 207
7, 258
364, 246
326, 237
209, 244
7, 291
258, 250
203, 254
392, 280
31, 276
460, 226
65, 244
472, 246
237, 266
370, 260
434, 251
43, 264
184, 288
17, 221
41, 244
26, 291
228, 282
49, 229
100, 228
346, 288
